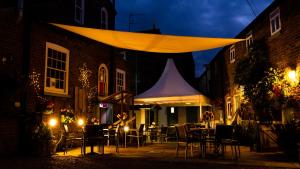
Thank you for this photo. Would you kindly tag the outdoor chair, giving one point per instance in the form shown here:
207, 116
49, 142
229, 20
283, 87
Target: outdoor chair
72, 135
184, 138
93, 135
112, 135
223, 137
163, 134
137, 133
171, 134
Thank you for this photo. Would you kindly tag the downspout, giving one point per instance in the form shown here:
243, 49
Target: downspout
20, 10
24, 14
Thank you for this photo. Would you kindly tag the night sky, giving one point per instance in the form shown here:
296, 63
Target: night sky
209, 18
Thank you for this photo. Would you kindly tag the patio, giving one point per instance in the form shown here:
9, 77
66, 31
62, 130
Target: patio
166, 152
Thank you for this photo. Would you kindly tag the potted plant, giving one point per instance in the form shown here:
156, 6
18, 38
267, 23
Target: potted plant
42, 140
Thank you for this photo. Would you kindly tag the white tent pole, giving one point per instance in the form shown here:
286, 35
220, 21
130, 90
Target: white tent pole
200, 112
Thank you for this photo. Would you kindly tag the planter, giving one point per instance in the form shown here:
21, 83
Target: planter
43, 148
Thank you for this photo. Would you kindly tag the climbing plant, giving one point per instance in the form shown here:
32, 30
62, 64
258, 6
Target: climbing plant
251, 73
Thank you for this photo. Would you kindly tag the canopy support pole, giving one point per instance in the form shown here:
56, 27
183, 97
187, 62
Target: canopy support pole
200, 112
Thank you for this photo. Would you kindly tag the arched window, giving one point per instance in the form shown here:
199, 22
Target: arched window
104, 18
103, 80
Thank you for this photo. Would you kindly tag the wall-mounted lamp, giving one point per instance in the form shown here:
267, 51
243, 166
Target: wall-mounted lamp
172, 110
52, 122
4, 60
292, 77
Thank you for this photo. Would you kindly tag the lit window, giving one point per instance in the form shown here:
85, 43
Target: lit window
56, 69
79, 11
229, 108
103, 80
104, 18
232, 54
120, 80
237, 102
249, 41
275, 23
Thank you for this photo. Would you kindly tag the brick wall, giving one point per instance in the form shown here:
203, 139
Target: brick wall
82, 50
10, 50
283, 47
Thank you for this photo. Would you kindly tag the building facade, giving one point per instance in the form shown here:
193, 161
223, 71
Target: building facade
44, 68
278, 27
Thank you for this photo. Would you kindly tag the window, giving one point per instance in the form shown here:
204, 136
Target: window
275, 23
79, 11
103, 80
249, 41
56, 69
120, 80
229, 108
104, 18
237, 102
232, 54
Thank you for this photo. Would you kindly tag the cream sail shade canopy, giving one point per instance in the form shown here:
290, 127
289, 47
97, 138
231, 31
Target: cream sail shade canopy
149, 42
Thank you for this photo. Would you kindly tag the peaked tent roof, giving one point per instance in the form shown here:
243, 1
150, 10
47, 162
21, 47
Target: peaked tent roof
171, 88
149, 42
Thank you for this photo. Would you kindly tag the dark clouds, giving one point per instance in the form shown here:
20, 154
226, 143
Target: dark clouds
211, 18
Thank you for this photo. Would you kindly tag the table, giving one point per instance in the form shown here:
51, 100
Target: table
204, 135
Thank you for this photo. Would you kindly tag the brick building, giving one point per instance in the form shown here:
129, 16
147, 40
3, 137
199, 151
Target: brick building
278, 26
29, 44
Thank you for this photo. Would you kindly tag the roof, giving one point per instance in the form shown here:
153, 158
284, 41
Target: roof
171, 88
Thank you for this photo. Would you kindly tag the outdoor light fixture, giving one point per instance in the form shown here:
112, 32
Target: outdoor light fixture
292, 76
172, 110
126, 128
80, 122
52, 122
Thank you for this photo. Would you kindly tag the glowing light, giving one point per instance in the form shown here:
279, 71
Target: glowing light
52, 122
34, 82
172, 110
126, 128
292, 75
188, 103
80, 122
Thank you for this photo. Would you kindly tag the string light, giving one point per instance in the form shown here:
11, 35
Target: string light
34, 82
84, 79
85, 74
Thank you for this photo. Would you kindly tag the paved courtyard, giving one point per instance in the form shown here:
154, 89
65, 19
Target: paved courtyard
158, 156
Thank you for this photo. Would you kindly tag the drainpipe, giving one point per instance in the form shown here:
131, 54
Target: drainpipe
24, 14
20, 10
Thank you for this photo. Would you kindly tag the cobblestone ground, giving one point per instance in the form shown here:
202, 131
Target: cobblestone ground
109, 162
151, 156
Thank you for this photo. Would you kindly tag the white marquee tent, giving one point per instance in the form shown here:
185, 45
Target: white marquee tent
172, 89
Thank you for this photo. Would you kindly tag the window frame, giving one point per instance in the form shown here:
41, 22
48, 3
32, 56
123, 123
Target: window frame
103, 10
105, 82
120, 71
237, 102
272, 17
249, 41
51, 90
82, 9
232, 54
229, 112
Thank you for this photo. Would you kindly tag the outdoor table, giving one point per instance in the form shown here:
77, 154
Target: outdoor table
204, 135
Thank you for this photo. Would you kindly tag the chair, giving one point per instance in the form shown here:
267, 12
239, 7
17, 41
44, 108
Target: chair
137, 133
163, 134
71, 135
223, 137
184, 137
112, 135
93, 135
